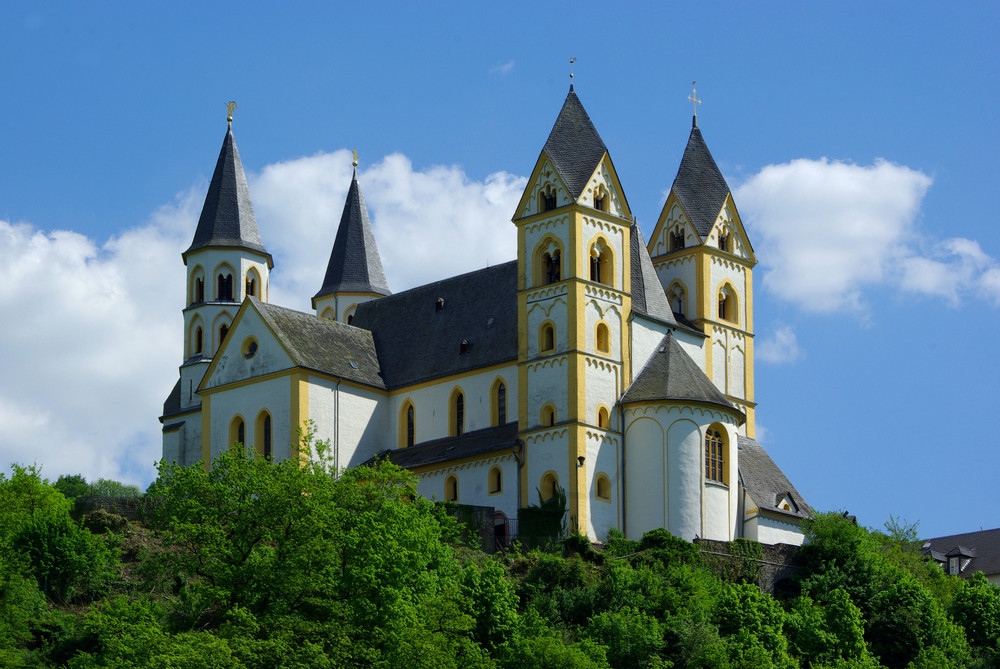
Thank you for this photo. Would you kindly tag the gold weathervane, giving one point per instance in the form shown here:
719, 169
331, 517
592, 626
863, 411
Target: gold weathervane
230, 106
694, 99
571, 61
355, 163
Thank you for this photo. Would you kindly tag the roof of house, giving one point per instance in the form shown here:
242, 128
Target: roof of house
227, 218
355, 265
671, 375
419, 333
983, 547
451, 448
648, 297
699, 185
766, 484
323, 345
574, 146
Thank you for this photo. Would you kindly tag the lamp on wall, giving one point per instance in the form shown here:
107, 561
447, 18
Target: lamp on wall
581, 460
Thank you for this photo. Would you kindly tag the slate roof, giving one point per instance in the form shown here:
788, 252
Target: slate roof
451, 448
573, 146
670, 374
648, 297
173, 403
699, 185
227, 218
765, 482
323, 345
417, 341
984, 545
355, 265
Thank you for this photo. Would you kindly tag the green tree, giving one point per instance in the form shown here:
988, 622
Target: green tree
752, 624
977, 609
72, 485
110, 488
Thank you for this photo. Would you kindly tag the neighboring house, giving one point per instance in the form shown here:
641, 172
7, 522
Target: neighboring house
965, 554
619, 371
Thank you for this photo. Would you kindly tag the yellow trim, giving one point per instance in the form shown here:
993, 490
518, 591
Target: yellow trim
541, 483
547, 323
495, 401
404, 390
299, 413
407, 404
536, 174
543, 412
616, 184
259, 285
447, 479
548, 239
604, 407
206, 433
234, 435
452, 410
727, 282
215, 276
577, 494
258, 432
602, 238
192, 275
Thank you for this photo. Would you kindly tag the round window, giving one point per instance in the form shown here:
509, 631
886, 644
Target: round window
249, 347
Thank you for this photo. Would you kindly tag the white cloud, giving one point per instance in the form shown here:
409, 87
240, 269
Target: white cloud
503, 69
828, 230
92, 331
778, 346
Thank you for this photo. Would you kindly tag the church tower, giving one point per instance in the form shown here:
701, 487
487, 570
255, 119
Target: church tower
354, 274
574, 274
226, 263
705, 262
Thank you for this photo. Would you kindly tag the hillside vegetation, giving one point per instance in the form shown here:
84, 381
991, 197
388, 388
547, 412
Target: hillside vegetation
263, 565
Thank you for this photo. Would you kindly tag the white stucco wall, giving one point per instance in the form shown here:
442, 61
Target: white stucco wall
231, 366
548, 382
272, 395
601, 387
473, 483
645, 475
351, 419
768, 530
558, 228
602, 457
546, 450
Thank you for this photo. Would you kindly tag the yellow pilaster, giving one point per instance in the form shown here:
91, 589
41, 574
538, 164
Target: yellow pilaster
299, 414
206, 433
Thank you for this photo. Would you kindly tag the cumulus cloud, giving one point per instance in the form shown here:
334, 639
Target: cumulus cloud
830, 229
778, 346
92, 333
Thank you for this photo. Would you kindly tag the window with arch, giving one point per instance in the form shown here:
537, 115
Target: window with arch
237, 431
498, 401
603, 418
451, 488
677, 297
262, 435
199, 341
197, 285
547, 199
547, 337
548, 415
407, 425
715, 455
601, 265
252, 283
727, 304
496, 480
456, 420
549, 485
677, 240
603, 338
349, 314
329, 314
223, 331
724, 241
602, 488
547, 262
224, 285
601, 198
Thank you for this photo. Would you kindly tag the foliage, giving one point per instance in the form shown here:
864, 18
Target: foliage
110, 488
977, 609
543, 524
72, 485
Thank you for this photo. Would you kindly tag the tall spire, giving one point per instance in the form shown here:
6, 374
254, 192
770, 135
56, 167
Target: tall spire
355, 265
699, 185
227, 218
574, 146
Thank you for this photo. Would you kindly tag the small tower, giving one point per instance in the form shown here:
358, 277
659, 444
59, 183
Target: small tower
705, 262
574, 282
354, 273
226, 262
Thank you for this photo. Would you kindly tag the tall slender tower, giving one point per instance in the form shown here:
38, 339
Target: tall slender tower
226, 262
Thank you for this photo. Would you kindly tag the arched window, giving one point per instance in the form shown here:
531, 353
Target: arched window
223, 331
603, 338
457, 411
727, 305
451, 488
547, 199
601, 198
602, 488
329, 314
547, 337
496, 480
676, 240
199, 341
547, 262
601, 265
498, 401
715, 455
224, 286
549, 485
548, 415
349, 314
724, 241
407, 425
262, 435
197, 285
237, 431
677, 297
410, 426
603, 418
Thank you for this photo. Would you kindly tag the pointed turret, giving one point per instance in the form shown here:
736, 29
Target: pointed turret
574, 146
355, 267
699, 186
227, 219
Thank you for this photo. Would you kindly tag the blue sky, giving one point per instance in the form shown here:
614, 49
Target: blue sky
859, 140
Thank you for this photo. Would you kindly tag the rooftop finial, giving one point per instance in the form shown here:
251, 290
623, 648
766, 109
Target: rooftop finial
694, 102
230, 106
355, 163
571, 61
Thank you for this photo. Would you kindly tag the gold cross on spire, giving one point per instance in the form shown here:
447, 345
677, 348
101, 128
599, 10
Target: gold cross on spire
230, 106
355, 163
694, 99
571, 61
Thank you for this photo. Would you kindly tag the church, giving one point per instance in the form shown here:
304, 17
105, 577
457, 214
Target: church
615, 369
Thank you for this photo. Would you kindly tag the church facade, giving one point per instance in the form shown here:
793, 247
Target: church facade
617, 370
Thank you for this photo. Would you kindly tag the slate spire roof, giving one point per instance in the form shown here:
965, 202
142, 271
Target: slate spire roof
648, 297
573, 146
699, 185
355, 265
227, 218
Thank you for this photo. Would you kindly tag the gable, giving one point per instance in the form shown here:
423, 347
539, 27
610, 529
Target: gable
232, 364
728, 223
604, 181
672, 221
544, 180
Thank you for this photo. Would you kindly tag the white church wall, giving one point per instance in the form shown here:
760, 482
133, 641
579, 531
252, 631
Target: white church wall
548, 383
645, 475
674, 219
602, 458
599, 308
474, 484
273, 395
173, 446
602, 177
533, 235
646, 336
593, 229
683, 269
600, 386
545, 451
191, 440
717, 513
773, 531
721, 270
554, 310
353, 420
684, 478
695, 345
231, 364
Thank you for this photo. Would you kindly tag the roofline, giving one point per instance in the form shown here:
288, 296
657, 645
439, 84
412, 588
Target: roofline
228, 247
680, 400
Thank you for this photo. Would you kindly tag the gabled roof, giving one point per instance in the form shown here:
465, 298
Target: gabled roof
699, 185
418, 341
323, 345
173, 402
648, 298
983, 547
573, 146
671, 375
766, 484
442, 450
355, 265
227, 218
